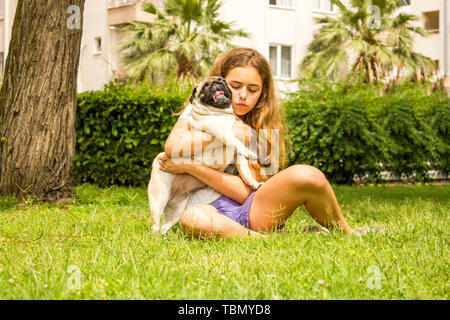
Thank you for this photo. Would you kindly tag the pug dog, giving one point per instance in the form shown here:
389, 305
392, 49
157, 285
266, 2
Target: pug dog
212, 112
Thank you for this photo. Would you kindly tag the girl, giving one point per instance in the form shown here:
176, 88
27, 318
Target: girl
240, 210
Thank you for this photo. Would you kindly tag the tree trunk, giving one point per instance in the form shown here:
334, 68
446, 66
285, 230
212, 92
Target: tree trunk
397, 79
38, 99
369, 67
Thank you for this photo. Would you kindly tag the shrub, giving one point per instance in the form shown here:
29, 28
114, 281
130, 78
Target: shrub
121, 129
408, 122
353, 130
347, 130
440, 122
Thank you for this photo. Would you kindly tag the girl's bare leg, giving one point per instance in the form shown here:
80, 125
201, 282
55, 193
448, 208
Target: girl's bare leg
297, 185
205, 221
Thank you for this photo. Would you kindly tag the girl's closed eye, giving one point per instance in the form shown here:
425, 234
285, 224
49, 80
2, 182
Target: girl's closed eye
239, 87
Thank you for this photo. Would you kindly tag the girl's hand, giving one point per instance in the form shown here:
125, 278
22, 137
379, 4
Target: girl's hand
180, 165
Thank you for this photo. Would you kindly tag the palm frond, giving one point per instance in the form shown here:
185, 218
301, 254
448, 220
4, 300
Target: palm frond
372, 52
186, 37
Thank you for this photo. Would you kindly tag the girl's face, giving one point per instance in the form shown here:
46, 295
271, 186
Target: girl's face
246, 86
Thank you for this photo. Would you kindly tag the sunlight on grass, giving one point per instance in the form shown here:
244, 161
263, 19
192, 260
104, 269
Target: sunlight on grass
105, 234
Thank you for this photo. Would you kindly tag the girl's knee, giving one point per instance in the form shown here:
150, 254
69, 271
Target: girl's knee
306, 176
190, 215
194, 217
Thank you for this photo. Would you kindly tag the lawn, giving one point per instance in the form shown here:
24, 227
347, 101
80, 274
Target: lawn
101, 247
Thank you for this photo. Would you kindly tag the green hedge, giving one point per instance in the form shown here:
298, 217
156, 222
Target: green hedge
120, 130
344, 130
358, 130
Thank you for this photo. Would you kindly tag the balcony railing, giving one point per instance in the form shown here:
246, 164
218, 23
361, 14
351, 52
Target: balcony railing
122, 3
121, 12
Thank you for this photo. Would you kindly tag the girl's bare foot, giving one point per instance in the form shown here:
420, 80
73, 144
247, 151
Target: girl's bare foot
320, 229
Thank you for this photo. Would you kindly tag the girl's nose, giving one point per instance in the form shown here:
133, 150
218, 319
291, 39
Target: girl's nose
243, 93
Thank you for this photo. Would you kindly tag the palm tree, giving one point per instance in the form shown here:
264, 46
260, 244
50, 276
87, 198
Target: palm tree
185, 39
372, 49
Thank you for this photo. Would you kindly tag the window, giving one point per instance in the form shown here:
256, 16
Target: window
281, 3
323, 6
431, 21
98, 45
281, 61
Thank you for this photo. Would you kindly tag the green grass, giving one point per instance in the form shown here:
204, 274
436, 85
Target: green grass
106, 234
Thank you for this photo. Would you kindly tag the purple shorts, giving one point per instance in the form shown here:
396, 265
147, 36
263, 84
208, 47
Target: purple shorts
234, 210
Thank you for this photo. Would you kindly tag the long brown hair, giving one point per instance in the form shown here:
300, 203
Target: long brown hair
266, 114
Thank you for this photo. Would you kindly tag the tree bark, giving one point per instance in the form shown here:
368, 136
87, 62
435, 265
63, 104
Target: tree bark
38, 100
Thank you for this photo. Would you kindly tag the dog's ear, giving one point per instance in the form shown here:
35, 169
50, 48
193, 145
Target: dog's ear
191, 99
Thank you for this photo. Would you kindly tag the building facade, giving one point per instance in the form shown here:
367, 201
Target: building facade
279, 29
435, 18
7, 13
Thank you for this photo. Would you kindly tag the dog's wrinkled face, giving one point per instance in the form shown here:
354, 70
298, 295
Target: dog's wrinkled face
213, 92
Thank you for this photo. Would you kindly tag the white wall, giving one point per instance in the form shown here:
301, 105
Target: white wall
274, 25
249, 15
9, 10
432, 46
95, 68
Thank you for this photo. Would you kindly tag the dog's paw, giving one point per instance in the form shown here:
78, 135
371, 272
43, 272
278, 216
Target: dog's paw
257, 185
251, 156
155, 228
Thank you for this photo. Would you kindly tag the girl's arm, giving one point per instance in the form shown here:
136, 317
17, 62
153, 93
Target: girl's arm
182, 137
227, 184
